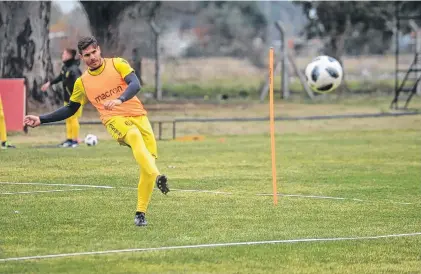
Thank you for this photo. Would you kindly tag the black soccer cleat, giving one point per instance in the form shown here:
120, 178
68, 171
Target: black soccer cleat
67, 143
161, 183
74, 144
6, 145
139, 219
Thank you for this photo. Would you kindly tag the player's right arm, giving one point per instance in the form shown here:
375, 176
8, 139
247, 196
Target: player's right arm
56, 80
77, 99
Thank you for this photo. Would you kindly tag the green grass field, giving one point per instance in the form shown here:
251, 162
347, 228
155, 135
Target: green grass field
375, 169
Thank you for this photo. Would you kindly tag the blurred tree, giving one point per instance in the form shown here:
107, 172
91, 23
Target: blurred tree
233, 26
56, 13
159, 15
409, 8
156, 31
24, 46
81, 25
338, 21
104, 18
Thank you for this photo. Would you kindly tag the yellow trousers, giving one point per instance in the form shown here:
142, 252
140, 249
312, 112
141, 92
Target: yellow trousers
3, 132
72, 125
137, 133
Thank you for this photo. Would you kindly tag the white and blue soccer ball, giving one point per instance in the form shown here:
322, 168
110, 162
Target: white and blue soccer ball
324, 74
91, 140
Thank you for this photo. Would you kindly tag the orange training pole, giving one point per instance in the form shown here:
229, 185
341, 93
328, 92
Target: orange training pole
272, 126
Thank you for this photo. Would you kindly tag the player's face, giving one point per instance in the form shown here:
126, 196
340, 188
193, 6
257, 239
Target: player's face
66, 56
92, 56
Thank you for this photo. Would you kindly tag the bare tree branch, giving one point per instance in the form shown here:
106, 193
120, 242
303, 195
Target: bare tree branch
154, 27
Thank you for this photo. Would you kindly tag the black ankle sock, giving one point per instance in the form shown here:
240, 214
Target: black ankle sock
3, 143
138, 213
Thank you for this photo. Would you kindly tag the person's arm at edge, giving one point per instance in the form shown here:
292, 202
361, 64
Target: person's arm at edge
133, 87
56, 80
60, 114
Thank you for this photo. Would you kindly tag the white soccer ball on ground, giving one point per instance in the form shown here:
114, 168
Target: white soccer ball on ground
324, 74
91, 140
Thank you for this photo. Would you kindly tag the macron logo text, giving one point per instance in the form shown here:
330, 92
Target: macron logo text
108, 93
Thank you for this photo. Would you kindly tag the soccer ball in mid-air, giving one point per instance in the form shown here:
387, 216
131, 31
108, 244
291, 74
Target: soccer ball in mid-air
324, 74
91, 140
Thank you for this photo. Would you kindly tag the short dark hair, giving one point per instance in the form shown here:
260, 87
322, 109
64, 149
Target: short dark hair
85, 42
72, 52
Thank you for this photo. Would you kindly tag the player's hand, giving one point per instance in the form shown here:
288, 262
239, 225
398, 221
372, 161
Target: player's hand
45, 86
32, 121
109, 105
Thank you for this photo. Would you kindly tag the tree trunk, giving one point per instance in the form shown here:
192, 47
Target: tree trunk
158, 84
104, 18
25, 48
336, 50
108, 39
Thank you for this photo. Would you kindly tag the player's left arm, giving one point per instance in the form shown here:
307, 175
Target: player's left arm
133, 87
127, 73
133, 83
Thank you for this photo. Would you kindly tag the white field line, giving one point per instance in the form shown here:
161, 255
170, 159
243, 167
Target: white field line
401, 203
202, 191
206, 191
42, 191
45, 184
330, 197
187, 190
112, 187
37, 257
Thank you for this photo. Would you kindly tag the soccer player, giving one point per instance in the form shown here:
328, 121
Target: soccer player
110, 85
3, 132
68, 75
